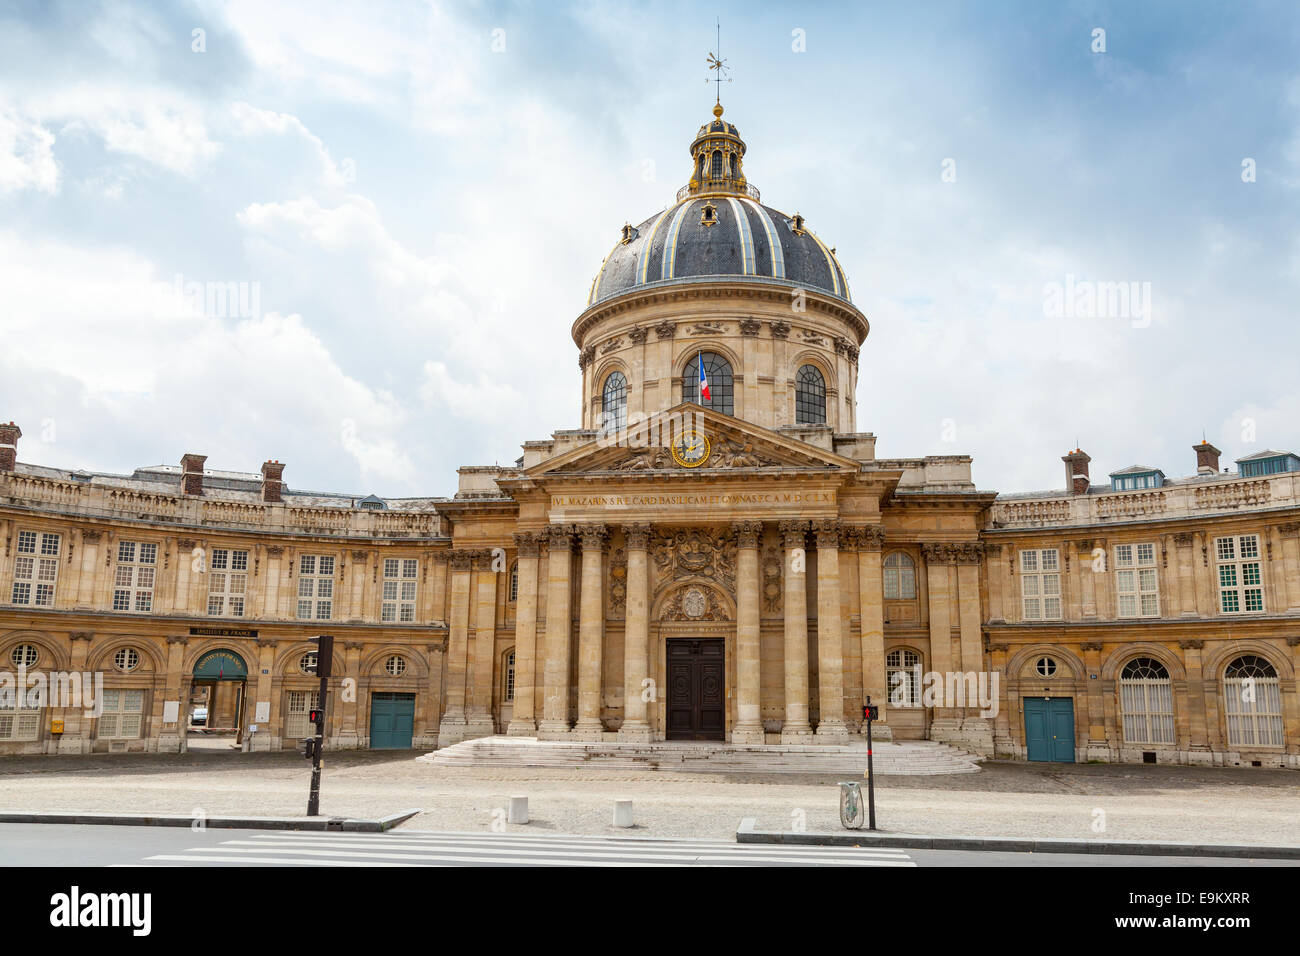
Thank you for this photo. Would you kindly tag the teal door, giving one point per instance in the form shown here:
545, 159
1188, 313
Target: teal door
392, 721
1049, 728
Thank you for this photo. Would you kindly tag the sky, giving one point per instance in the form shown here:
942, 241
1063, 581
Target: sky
406, 203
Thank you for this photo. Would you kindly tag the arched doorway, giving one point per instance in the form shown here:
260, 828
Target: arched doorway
214, 717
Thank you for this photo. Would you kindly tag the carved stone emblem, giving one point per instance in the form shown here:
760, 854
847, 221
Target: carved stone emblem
734, 454
695, 554
694, 603
772, 590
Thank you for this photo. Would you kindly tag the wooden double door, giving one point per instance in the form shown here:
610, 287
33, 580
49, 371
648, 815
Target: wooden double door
697, 700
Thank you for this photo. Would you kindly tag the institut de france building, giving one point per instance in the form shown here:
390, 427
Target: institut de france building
717, 557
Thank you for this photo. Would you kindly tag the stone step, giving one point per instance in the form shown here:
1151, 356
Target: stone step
920, 757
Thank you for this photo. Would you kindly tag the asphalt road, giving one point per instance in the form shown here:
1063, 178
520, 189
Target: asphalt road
59, 845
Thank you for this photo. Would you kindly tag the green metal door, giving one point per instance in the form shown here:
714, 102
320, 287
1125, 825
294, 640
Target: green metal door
392, 721
1049, 729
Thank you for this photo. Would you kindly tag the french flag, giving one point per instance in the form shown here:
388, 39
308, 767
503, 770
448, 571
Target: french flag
704, 381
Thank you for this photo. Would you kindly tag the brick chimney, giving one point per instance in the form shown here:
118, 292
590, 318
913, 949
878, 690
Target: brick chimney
9, 435
192, 474
1207, 458
1076, 472
272, 484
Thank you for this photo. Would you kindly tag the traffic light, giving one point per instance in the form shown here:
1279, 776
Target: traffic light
324, 655
307, 747
316, 716
870, 712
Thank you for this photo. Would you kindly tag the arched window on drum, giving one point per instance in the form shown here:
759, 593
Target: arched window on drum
613, 414
717, 371
1146, 702
1252, 702
810, 396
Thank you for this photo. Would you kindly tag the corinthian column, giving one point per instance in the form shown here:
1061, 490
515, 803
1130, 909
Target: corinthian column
796, 728
591, 633
523, 720
830, 645
749, 724
871, 596
636, 634
555, 688
479, 719
452, 727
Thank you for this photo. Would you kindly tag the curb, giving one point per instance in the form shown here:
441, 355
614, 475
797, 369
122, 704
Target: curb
344, 824
746, 833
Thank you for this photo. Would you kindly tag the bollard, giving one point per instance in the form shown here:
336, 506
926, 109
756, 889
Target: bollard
622, 813
518, 810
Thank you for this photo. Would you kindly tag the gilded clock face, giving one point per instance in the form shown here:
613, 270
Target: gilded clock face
691, 449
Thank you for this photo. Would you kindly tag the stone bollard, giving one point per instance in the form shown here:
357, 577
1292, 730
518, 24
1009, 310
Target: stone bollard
518, 810
622, 813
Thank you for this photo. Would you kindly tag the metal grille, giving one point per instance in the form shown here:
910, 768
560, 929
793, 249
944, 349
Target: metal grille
1146, 702
721, 386
810, 397
1252, 701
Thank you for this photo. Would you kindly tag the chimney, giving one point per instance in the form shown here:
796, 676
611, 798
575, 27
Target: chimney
192, 474
1207, 458
271, 481
1076, 472
9, 435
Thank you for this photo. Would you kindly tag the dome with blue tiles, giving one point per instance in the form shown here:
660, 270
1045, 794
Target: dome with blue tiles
718, 227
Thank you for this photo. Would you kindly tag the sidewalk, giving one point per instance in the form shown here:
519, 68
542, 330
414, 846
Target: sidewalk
1137, 802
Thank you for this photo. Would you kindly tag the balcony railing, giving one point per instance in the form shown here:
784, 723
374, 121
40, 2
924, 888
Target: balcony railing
718, 186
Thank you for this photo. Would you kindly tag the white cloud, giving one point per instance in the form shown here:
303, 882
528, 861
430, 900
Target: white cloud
26, 154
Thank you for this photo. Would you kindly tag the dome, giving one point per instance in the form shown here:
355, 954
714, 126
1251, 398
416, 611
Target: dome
718, 227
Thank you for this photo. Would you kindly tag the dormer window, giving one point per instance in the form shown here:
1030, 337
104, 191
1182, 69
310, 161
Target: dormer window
709, 215
796, 224
629, 232
1268, 463
1137, 478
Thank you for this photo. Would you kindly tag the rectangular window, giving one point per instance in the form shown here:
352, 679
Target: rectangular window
227, 582
315, 587
133, 580
19, 723
1241, 587
1040, 584
1136, 585
36, 568
123, 714
296, 722
400, 577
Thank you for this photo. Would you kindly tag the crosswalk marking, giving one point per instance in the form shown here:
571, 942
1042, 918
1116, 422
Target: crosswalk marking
510, 849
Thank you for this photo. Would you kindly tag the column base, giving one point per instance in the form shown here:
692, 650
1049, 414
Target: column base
752, 734
796, 734
587, 728
833, 731
521, 727
553, 730
634, 733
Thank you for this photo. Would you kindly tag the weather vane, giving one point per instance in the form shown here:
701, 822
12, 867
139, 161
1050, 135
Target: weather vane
718, 65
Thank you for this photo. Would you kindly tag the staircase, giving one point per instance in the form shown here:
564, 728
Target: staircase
912, 757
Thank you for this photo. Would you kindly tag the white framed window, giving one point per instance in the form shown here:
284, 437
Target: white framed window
513, 592
1252, 699
1146, 702
123, 714
227, 582
899, 577
133, 581
903, 677
126, 659
36, 568
307, 663
315, 587
1241, 581
509, 678
395, 666
1136, 585
400, 578
297, 718
18, 723
1040, 584
25, 655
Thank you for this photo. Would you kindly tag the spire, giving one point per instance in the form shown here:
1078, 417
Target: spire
718, 152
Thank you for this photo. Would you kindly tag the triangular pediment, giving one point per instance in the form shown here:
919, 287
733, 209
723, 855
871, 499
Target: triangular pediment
732, 444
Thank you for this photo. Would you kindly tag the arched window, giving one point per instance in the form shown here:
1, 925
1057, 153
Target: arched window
1252, 701
810, 396
1146, 701
717, 370
614, 403
700, 174
903, 677
733, 165
900, 577
717, 164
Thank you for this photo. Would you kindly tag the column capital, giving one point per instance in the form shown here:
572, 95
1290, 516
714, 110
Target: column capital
266, 642
274, 550
747, 533
461, 559
528, 543
353, 645
637, 536
793, 533
177, 639
963, 552
560, 537
865, 537
594, 536
828, 532
483, 559
1195, 644
81, 636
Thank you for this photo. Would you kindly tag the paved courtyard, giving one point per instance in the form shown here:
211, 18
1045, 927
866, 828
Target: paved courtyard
1005, 799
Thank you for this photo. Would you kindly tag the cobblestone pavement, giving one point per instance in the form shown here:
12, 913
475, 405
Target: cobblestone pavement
1225, 805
